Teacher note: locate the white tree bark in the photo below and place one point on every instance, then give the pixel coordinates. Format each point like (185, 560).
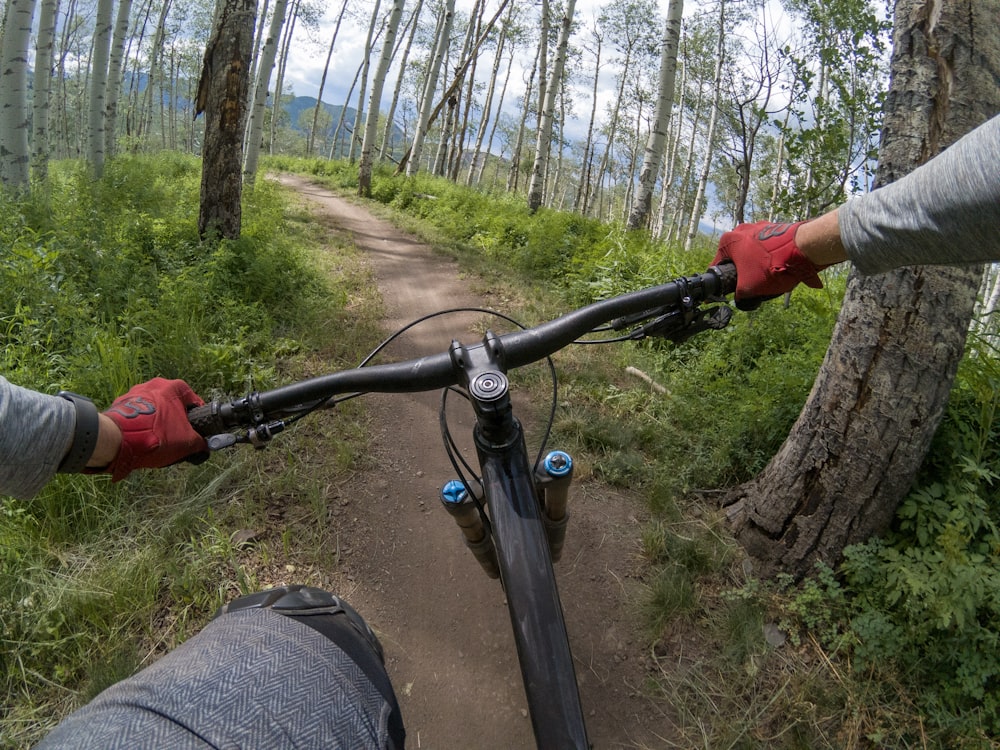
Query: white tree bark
(359, 109)
(375, 99)
(430, 86)
(639, 215)
(387, 145)
(543, 141)
(587, 161)
(97, 121)
(44, 46)
(255, 129)
(710, 136)
(14, 155)
(114, 86)
(499, 109)
(279, 85)
(487, 115)
(311, 142)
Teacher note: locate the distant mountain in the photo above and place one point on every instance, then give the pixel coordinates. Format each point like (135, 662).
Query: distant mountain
(299, 104)
(296, 106)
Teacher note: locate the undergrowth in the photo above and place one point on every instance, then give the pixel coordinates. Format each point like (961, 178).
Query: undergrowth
(116, 287)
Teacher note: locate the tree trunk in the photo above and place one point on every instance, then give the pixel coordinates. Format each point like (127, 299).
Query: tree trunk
(469, 61)
(155, 77)
(710, 136)
(487, 115)
(513, 177)
(677, 218)
(597, 195)
(587, 161)
(343, 113)
(388, 146)
(114, 87)
(222, 96)
(496, 119)
(670, 161)
(375, 100)
(97, 121)
(62, 108)
(258, 39)
(255, 130)
(457, 81)
(430, 86)
(14, 155)
(536, 185)
(310, 143)
(40, 147)
(279, 83)
(881, 392)
(639, 215)
(359, 109)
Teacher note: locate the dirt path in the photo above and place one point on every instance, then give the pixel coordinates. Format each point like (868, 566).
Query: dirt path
(443, 623)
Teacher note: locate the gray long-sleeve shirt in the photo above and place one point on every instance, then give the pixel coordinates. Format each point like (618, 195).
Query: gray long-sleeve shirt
(945, 212)
(36, 432)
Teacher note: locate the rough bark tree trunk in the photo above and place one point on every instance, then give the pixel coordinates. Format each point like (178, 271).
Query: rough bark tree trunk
(881, 392)
(222, 96)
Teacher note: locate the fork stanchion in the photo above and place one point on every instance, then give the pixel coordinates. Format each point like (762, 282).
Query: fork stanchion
(553, 479)
(456, 500)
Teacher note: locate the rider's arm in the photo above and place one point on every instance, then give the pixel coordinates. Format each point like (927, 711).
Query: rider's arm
(944, 212)
(145, 428)
(36, 432)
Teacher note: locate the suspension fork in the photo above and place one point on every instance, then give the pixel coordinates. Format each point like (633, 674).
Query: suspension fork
(523, 551)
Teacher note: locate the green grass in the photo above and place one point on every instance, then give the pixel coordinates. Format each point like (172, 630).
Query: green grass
(97, 579)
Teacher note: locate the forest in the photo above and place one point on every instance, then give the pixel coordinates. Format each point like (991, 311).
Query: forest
(615, 139)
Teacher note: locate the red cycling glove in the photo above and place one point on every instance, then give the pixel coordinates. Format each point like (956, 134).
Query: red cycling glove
(155, 429)
(768, 262)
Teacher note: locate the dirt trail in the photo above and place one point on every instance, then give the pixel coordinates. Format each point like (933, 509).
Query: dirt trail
(443, 623)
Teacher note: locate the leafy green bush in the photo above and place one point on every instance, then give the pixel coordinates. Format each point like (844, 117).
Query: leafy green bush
(927, 596)
(120, 288)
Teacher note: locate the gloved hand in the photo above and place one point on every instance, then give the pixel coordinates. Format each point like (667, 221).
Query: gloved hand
(768, 262)
(155, 430)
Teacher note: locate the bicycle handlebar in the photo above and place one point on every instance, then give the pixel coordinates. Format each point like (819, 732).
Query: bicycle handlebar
(439, 370)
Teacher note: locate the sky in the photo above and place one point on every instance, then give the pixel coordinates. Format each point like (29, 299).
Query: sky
(307, 59)
(305, 67)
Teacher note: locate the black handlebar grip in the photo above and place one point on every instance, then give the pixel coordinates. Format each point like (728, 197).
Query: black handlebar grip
(207, 419)
(727, 277)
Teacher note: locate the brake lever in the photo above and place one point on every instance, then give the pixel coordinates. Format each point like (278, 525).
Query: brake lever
(680, 325)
